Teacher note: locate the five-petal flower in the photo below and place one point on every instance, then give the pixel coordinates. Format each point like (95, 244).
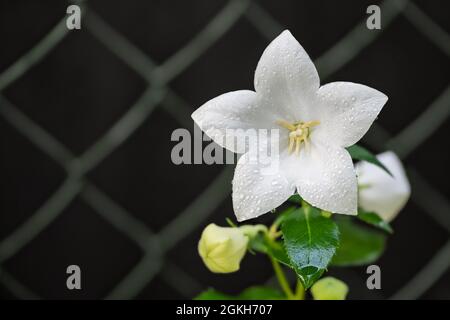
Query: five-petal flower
(316, 123)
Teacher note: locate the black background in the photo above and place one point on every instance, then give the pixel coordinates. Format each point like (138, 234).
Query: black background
(80, 89)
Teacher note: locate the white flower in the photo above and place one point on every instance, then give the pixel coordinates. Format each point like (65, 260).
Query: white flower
(316, 123)
(379, 192)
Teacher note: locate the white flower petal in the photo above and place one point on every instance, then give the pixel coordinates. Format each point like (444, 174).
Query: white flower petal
(381, 193)
(324, 176)
(258, 189)
(233, 110)
(287, 77)
(347, 111)
(287, 88)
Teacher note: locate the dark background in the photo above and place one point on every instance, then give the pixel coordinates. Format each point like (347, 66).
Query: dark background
(86, 118)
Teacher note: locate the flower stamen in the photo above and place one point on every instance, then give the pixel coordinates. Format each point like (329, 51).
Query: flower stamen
(299, 133)
(286, 125)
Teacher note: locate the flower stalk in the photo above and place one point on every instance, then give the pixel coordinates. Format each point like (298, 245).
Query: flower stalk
(281, 277)
(299, 291)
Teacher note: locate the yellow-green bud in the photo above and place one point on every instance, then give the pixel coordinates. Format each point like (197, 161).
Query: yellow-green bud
(329, 288)
(222, 248)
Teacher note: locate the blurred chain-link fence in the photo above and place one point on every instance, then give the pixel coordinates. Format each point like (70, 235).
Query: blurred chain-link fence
(158, 94)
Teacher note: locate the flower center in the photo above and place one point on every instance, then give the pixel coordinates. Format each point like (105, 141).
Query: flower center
(298, 133)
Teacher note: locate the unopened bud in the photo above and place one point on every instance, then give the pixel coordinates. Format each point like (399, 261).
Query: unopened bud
(222, 248)
(329, 288)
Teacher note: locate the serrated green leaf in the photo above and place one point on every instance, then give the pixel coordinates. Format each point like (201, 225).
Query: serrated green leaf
(252, 293)
(283, 215)
(310, 241)
(359, 245)
(375, 220)
(359, 153)
(277, 251)
(261, 243)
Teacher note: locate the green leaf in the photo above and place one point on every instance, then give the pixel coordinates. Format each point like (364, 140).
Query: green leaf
(359, 245)
(261, 243)
(375, 220)
(295, 199)
(212, 294)
(279, 220)
(277, 251)
(359, 153)
(261, 293)
(252, 293)
(310, 241)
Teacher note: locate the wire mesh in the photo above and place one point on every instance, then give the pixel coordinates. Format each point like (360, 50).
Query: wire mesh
(158, 94)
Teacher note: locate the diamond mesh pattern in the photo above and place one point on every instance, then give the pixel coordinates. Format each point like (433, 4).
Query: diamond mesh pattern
(159, 94)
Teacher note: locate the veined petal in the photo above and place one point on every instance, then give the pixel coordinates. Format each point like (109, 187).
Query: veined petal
(237, 110)
(379, 192)
(287, 77)
(347, 111)
(324, 176)
(258, 188)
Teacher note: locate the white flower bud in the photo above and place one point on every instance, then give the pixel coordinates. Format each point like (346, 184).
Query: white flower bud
(379, 192)
(222, 248)
(329, 288)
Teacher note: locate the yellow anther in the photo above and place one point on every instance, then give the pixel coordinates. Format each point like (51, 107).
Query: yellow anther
(311, 123)
(286, 125)
(299, 132)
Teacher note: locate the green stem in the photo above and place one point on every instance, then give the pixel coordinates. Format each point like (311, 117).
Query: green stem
(282, 279)
(299, 291)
